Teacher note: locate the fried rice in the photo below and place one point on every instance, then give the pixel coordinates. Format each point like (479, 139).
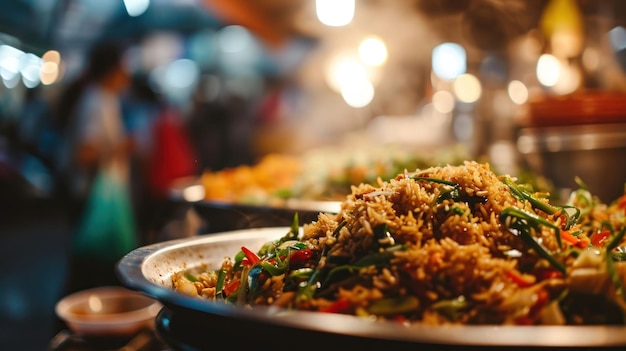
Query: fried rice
(442, 245)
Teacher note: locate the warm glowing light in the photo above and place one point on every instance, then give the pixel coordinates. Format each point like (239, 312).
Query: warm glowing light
(343, 69)
(194, 193)
(548, 70)
(518, 92)
(373, 51)
(570, 80)
(358, 93)
(443, 101)
(449, 61)
(334, 13)
(467, 88)
(49, 73)
(52, 56)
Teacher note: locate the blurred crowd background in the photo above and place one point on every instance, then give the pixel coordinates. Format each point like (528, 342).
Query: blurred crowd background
(175, 88)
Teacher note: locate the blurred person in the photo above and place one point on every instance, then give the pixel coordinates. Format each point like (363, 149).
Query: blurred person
(208, 124)
(173, 161)
(95, 163)
(89, 113)
(141, 108)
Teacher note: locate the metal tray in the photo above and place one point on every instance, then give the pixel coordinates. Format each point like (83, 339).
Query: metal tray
(200, 322)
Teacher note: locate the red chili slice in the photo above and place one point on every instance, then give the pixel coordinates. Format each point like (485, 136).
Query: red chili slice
(600, 239)
(251, 256)
(341, 305)
(300, 256)
(518, 279)
(231, 287)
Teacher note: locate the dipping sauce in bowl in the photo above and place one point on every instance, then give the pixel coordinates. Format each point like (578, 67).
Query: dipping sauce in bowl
(107, 311)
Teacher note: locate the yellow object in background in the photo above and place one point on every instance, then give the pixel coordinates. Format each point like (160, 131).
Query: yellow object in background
(562, 24)
(263, 183)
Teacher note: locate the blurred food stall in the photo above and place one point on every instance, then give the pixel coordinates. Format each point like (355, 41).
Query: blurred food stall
(363, 86)
(324, 173)
(251, 79)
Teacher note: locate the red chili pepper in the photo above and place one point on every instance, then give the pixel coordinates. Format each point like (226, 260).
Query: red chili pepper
(563, 221)
(546, 273)
(574, 241)
(621, 203)
(251, 256)
(339, 306)
(599, 239)
(231, 287)
(300, 256)
(518, 279)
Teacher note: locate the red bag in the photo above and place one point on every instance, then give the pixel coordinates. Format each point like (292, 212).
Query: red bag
(173, 156)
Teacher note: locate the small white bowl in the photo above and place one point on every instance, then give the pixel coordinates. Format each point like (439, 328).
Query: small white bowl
(107, 311)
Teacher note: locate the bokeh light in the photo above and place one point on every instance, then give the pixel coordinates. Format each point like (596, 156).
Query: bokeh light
(449, 60)
(343, 69)
(548, 70)
(443, 101)
(467, 88)
(570, 79)
(9, 62)
(358, 93)
(136, 8)
(518, 92)
(30, 68)
(373, 51)
(335, 13)
(49, 73)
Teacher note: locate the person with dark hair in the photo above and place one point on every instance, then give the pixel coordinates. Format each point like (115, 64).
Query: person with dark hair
(97, 168)
(89, 113)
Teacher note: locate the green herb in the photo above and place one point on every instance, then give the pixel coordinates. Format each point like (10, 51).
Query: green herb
(307, 289)
(394, 306)
(610, 264)
(523, 222)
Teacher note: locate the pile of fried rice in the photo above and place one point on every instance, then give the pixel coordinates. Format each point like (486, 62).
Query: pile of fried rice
(442, 245)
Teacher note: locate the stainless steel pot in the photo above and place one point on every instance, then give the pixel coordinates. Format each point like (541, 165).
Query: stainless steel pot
(596, 153)
(583, 135)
